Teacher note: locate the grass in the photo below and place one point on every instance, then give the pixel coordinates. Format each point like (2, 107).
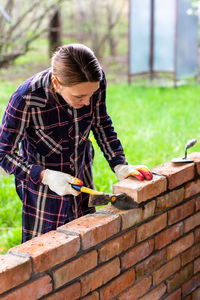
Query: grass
(153, 124)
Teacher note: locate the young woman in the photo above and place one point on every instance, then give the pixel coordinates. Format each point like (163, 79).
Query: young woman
(50, 117)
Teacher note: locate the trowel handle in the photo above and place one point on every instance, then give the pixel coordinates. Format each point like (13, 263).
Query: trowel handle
(189, 144)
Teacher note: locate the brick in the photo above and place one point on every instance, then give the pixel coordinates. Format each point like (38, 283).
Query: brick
(155, 294)
(150, 264)
(73, 292)
(118, 285)
(192, 188)
(167, 236)
(116, 246)
(197, 265)
(49, 249)
(137, 290)
(148, 229)
(166, 271)
(75, 268)
(196, 294)
(176, 174)
(197, 234)
(141, 191)
(13, 271)
(174, 296)
(190, 254)
(149, 209)
(179, 278)
(169, 200)
(136, 254)
(192, 222)
(198, 203)
(191, 285)
(91, 296)
(33, 290)
(129, 217)
(100, 276)
(94, 228)
(196, 157)
(180, 246)
(181, 212)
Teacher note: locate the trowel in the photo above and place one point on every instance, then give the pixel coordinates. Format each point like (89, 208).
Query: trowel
(185, 159)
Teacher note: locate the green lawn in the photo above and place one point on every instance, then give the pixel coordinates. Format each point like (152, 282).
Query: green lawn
(152, 123)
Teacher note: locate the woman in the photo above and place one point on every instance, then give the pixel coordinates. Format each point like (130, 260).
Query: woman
(50, 116)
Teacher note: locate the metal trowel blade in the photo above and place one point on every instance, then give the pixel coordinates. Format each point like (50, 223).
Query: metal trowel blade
(181, 160)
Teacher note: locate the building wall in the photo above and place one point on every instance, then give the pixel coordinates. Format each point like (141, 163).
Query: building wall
(146, 253)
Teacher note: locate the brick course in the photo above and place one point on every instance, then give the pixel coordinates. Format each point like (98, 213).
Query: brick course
(148, 253)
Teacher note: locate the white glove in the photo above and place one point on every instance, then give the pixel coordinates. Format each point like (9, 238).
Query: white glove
(139, 171)
(60, 182)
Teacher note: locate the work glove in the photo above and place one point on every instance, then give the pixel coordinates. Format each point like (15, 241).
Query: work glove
(139, 171)
(60, 182)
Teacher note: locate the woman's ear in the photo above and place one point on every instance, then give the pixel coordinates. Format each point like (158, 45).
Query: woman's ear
(55, 82)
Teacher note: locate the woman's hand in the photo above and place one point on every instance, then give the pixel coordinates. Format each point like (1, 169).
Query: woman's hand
(60, 182)
(139, 171)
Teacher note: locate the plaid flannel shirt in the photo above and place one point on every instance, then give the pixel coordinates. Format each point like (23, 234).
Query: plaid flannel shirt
(55, 136)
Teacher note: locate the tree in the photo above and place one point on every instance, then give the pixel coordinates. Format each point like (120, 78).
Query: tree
(29, 20)
(97, 20)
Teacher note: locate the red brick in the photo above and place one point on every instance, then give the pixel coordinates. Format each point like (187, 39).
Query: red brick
(197, 265)
(169, 200)
(192, 222)
(180, 277)
(49, 249)
(196, 294)
(94, 228)
(155, 294)
(136, 254)
(197, 234)
(117, 285)
(150, 264)
(91, 296)
(117, 245)
(177, 174)
(129, 217)
(191, 285)
(190, 254)
(33, 290)
(13, 271)
(141, 191)
(174, 296)
(137, 290)
(196, 157)
(100, 276)
(198, 203)
(166, 271)
(180, 245)
(149, 209)
(75, 268)
(166, 237)
(73, 292)
(152, 227)
(180, 212)
(192, 188)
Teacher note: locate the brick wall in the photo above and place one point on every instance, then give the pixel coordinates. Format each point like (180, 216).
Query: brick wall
(147, 254)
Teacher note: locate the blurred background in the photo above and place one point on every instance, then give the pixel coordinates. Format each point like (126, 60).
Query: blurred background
(149, 51)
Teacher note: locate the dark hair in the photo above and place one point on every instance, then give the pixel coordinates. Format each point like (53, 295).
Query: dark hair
(75, 63)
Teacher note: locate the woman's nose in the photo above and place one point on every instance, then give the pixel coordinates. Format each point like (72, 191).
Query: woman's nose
(86, 101)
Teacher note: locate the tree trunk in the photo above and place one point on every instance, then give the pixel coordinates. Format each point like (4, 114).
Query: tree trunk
(55, 32)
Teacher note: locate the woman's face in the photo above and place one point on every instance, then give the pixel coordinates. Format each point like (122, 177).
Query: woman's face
(78, 95)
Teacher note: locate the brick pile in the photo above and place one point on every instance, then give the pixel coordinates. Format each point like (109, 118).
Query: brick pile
(147, 254)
